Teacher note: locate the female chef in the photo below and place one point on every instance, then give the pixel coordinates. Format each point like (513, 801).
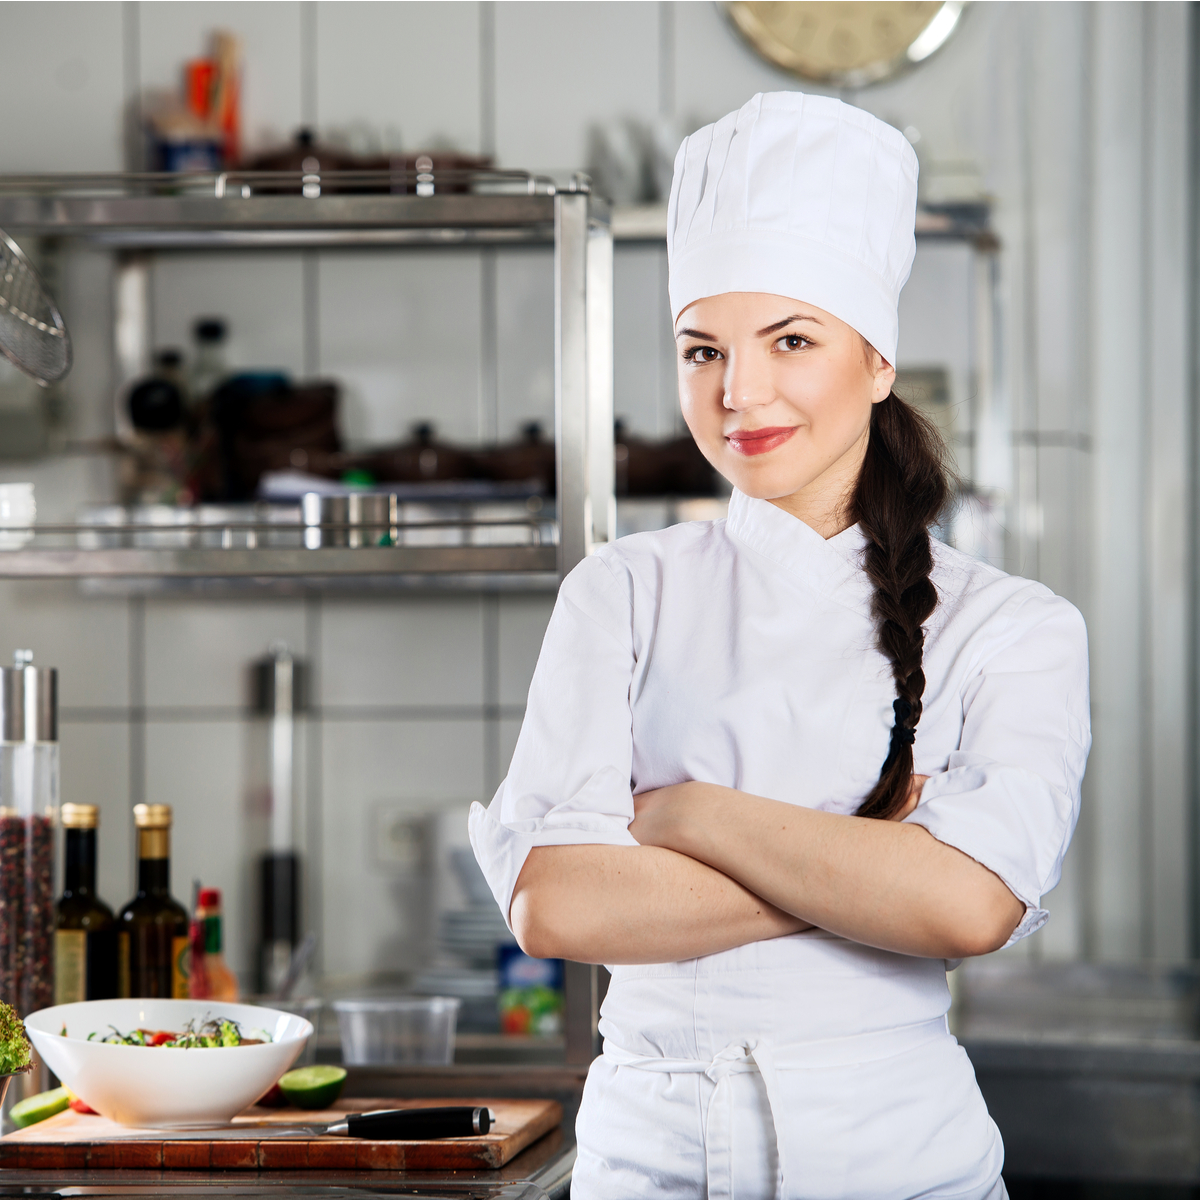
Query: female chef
(697, 797)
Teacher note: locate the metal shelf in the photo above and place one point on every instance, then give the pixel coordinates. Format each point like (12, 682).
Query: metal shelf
(138, 216)
(156, 212)
(269, 562)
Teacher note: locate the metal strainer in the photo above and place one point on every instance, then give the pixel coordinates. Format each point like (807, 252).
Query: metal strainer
(32, 333)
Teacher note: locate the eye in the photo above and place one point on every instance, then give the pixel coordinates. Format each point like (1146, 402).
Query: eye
(701, 354)
(792, 341)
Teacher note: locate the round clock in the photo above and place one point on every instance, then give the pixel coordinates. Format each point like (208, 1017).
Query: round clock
(848, 43)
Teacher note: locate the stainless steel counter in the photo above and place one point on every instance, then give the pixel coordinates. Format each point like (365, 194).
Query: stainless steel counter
(1092, 1072)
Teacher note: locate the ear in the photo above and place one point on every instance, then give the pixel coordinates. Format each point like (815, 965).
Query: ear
(885, 377)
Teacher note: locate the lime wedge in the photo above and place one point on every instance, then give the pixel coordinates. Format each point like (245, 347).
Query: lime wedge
(312, 1087)
(37, 1108)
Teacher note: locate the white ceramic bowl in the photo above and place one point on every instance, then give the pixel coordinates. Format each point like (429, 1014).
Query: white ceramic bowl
(157, 1087)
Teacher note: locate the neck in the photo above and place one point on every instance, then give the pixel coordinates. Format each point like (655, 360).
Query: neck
(154, 876)
(825, 505)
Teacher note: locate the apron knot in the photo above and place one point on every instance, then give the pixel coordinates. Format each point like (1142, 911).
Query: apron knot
(735, 1059)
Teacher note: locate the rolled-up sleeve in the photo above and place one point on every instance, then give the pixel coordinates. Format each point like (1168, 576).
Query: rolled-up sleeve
(569, 781)
(1009, 796)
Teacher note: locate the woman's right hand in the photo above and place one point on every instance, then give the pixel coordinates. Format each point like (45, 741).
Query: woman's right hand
(914, 797)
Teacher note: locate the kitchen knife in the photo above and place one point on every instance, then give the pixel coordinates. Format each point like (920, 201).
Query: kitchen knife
(386, 1125)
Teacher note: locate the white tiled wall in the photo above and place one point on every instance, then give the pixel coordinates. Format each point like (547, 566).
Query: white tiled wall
(560, 68)
(402, 332)
(63, 87)
(418, 652)
(260, 296)
(94, 766)
(419, 698)
(376, 911)
(407, 74)
(87, 642)
(197, 651)
(522, 625)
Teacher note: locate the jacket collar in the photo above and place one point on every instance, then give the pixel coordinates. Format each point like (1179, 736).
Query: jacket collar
(831, 566)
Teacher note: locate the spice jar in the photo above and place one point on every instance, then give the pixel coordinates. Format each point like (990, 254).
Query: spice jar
(28, 814)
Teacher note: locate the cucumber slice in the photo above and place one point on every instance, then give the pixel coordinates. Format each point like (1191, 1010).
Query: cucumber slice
(313, 1087)
(37, 1108)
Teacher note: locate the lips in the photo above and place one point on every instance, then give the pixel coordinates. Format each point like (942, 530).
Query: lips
(759, 441)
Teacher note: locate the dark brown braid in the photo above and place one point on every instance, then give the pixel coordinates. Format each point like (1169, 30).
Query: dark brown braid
(902, 490)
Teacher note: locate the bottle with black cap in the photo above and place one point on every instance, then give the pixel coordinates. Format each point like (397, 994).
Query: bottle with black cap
(28, 813)
(85, 934)
(209, 367)
(152, 929)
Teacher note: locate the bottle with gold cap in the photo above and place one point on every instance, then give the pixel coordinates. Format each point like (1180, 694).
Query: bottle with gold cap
(85, 932)
(152, 929)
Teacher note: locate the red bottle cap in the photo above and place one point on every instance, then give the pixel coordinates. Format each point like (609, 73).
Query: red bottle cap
(210, 898)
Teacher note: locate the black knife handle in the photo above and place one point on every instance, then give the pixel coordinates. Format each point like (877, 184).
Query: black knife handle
(419, 1124)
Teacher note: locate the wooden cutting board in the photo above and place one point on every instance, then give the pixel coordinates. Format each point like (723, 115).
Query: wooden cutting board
(73, 1141)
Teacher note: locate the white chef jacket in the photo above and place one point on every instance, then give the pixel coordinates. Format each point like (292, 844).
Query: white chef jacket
(742, 652)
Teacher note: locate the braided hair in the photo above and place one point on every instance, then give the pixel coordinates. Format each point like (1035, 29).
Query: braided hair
(901, 491)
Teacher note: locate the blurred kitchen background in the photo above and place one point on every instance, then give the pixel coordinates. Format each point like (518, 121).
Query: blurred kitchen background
(1047, 325)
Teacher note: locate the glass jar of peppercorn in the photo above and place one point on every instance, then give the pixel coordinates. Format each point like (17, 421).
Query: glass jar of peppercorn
(28, 815)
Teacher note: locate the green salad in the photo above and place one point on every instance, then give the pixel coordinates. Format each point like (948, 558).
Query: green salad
(205, 1035)
(15, 1051)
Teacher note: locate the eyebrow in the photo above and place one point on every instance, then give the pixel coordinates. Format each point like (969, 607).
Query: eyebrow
(767, 329)
(764, 332)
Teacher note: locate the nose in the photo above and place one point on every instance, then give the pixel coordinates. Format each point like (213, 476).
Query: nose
(748, 382)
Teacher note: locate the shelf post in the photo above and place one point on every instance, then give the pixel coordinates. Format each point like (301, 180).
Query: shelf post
(583, 430)
(601, 474)
(131, 332)
(571, 377)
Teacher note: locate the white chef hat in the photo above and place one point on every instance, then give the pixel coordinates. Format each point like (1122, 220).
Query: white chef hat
(801, 196)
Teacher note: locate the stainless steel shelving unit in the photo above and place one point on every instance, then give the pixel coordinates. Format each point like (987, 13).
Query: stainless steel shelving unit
(139, 216)
(136, 217)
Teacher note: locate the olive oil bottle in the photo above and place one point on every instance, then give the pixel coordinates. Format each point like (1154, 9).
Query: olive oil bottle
(85, 932)
(152, 929)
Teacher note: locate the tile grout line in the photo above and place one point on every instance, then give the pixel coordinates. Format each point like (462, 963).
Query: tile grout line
(487, 77)
(313, 890)
(202, 714)
(491, 695)
(137, 697)
(308, 64)
(666, 58)
(131, 50)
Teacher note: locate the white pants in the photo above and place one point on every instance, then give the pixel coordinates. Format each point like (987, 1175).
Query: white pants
(884, 1116)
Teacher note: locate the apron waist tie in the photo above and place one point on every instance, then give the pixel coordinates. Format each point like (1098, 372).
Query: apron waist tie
(741, 1058)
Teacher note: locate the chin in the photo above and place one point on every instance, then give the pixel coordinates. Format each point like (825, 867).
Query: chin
(767, 482)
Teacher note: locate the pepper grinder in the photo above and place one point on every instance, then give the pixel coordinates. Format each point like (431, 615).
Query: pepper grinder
(28, 815)
(280, 695)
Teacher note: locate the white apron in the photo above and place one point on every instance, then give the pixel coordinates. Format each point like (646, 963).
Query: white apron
(789, 1104)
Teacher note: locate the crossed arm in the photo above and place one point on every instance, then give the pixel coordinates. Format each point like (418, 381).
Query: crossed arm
(717, 868)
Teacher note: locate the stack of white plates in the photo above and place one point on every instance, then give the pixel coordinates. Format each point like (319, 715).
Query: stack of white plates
(472, 934)
(475, 987)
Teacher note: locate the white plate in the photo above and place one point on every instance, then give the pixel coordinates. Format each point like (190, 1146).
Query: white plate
(158, 1087)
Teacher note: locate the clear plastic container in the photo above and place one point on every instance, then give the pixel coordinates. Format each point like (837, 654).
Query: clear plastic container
(397, 1029)
(308, 1007)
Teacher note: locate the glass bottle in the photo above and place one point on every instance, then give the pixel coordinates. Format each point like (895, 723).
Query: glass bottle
(209, 368)
(214, 980)
(152, 929)
(85, 933)
(28, 811)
